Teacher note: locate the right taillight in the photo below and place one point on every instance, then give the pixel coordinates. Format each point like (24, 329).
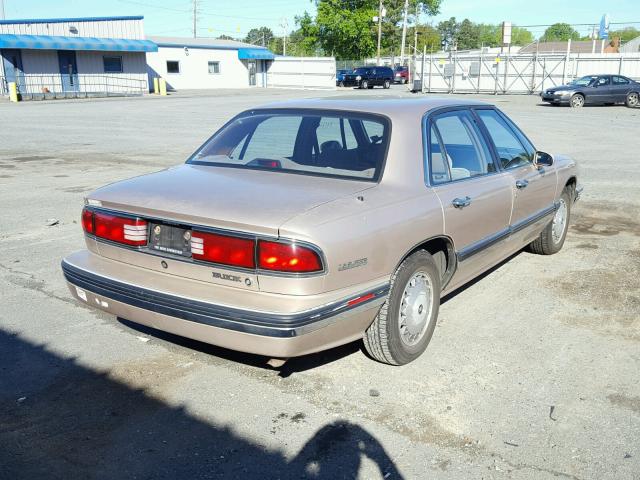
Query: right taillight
(287, 257)
(87, 221)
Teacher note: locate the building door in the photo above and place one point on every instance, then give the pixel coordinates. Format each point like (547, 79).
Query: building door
(12, 62)
(251, 64)
(68, 70)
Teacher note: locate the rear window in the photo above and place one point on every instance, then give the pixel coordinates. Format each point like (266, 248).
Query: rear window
(334, 144)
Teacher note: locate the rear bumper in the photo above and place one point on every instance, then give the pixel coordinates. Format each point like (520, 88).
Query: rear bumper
(264, 333)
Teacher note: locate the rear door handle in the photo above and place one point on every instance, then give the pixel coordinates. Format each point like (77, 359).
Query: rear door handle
(520, 184)
(461, 202)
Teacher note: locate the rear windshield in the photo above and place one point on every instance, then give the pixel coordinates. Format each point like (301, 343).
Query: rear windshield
(334, 144)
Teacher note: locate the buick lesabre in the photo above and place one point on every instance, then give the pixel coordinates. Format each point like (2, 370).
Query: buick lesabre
(303, 225)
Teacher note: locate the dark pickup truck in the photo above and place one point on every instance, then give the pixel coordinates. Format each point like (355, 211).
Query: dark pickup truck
(369, 77)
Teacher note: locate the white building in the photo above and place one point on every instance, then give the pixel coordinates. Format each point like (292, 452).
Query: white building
(206, 63)
(73, 57)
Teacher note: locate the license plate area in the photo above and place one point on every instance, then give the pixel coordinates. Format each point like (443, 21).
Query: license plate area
(169, 239)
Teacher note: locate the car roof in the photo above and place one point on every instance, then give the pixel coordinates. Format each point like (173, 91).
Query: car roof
(390, 106)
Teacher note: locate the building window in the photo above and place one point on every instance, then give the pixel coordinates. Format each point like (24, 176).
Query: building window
(173, 66)
(214, 67)
(112, 64)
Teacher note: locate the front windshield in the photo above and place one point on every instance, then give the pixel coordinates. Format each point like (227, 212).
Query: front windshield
(347, 145)
(584, 81)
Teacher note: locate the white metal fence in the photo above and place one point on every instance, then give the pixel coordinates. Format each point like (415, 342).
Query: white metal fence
(36, 86)
(302, 72)
(526, 73)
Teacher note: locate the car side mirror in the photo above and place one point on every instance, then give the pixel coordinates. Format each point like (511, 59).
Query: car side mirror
(543, 159)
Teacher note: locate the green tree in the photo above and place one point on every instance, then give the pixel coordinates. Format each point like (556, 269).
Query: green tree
(225, 37)
(346, 30)
(427, 37)
(259, 36)
(468, 36)
(626, 34)
(520, 36)
(560, 32)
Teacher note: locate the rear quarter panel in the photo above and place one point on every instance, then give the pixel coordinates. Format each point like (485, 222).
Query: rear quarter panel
(364, 240)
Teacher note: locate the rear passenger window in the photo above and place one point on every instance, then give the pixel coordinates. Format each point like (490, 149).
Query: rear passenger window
(510, 150)
(620, 81)
(439, 167)
(465, 153)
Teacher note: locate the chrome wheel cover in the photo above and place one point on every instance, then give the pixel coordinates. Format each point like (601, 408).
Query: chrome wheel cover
(632, 100)
(416, 306)
(577, 101)
(559, 223)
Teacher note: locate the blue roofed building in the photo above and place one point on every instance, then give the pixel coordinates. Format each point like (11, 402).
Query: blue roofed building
(74, 57)
(209, 63)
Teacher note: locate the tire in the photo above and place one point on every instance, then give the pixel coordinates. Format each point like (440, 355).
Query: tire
(577, 100)
(403, 81)
(549, 242)
(341, 84)
(395, 338)
(632, 100)
(386, 85)
(364, 84)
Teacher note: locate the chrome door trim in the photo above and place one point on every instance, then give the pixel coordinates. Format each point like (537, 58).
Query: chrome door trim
(470, 250)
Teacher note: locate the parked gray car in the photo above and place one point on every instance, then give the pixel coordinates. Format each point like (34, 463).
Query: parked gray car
(594, 90)
(307, 224)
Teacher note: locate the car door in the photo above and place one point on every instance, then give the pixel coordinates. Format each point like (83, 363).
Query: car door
(620, 86)
(534, 188)
(601, 91)
(476, 197)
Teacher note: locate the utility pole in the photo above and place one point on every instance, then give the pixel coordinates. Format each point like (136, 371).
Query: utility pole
(195, 18)
(404, 31)
(1, 9)
(379, 30)
(284, 26)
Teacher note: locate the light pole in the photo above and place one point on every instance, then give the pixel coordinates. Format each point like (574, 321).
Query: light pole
(380, 15)
(1, 9)
(404, 31)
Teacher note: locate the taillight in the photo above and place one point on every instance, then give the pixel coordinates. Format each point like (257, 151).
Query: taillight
(127, 230)
(87, 220)
(211, 247)
(287, 257)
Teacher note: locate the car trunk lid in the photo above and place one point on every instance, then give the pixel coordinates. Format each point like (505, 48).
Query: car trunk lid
(253, 201)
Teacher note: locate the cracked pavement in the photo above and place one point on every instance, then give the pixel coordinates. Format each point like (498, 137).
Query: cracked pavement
(532, 372)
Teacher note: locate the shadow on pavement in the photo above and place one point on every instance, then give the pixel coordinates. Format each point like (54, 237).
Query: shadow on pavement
(293, 365)
(59, 419)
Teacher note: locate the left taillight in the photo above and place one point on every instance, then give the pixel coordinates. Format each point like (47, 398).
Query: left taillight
(125, 230)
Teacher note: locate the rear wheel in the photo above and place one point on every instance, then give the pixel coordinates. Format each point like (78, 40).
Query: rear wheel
(632, 100)
(387, 84)
(552, 237)
(577, 101)
(404, 325)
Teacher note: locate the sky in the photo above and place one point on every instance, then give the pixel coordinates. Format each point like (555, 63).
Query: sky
(236, 18)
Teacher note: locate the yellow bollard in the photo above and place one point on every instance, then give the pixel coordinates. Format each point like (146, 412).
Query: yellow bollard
(163, 86)
(156, 88)
(13, 92)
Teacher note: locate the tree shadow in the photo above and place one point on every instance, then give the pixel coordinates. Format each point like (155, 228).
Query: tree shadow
(59, 419)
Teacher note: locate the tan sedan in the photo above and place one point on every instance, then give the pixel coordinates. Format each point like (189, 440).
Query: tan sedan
(303, 225)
